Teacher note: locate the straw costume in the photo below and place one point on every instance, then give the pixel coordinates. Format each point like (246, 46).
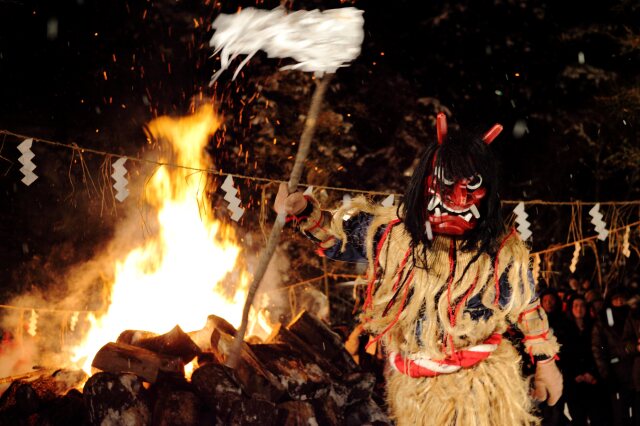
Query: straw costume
(445, 280)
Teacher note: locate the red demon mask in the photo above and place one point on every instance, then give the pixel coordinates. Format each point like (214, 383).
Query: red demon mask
(454, 204)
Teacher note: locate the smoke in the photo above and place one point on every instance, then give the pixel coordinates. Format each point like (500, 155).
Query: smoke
(44, 335)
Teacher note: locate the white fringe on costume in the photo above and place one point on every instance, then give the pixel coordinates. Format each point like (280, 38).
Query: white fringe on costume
(492, 392)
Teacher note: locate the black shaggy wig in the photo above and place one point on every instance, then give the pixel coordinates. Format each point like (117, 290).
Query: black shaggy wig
(459, 156)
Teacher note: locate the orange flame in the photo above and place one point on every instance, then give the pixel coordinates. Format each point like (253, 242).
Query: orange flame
(175, 276)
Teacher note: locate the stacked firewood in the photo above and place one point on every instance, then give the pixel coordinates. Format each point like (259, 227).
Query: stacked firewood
(300, 375)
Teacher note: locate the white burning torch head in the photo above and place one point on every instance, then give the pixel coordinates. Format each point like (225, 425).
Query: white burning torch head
(319, 41)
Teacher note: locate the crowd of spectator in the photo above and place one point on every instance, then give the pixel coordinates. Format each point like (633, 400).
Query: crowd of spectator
(599, 356)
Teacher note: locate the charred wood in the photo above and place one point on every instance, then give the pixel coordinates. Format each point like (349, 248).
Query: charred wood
(68, 410)
(250, 412)
(218, 387)
(366, 412)
(322, 340)
(124, 358)
(28, 396)
(328, 413)
(176, 343)
(175, 407)
(117, 399)
(280, 334)
(296, 413)
(302, 380)
(256, 380)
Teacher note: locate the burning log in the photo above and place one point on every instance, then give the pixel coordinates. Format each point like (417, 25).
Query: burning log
(175, 343)
(117, 399)
(121, 358)
(131, 337)
(29, 396)
(256, 380)
(202, 337)
(322, 340)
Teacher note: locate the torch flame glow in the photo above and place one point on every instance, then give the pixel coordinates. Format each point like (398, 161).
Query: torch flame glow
(174, 277)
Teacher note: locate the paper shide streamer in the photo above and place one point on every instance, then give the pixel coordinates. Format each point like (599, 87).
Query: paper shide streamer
(625, 242)
(521, 220)
(232, 199)
(576, 256)
(601, 226)
(33, 323)
(25, 159)
(120, 181)
(388, 202)
(319, 41)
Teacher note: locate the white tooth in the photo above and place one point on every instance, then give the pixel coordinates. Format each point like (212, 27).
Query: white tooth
(467, 217)
(428, 231)
(475, 211)
(438, 211)
(432, 203)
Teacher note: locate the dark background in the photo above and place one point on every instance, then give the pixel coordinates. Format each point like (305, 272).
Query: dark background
(94, 72)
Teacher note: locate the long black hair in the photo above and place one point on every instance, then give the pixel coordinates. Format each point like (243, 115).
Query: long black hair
(458, 157)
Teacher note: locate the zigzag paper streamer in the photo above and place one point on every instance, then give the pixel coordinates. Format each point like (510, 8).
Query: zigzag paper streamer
(319, 42)
(601, 226)
(388, 202)
(576, 256)
(73, 321)
(121, 182)
(308, 191)
(230, 197)
(521, 220)
(536, 268)
(25, 159)
(625, 242)
(33, 323)
(346, 205)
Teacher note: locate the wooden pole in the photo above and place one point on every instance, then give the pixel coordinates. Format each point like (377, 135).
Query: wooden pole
(274, 236)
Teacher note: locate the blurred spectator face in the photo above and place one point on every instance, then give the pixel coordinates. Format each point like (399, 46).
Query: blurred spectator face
(618, 300)
(573, 283)
(596, 307)
(549, 303)
(579, 308)
(586, 285)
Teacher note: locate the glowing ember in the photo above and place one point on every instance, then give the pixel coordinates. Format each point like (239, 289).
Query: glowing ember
(188, 369)
(175, 276)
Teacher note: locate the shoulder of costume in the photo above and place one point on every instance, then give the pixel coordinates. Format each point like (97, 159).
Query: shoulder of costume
(511, 250)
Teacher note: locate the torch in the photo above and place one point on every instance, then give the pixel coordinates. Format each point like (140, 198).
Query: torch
(319, 42)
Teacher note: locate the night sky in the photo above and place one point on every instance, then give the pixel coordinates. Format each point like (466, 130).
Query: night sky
(561, 76)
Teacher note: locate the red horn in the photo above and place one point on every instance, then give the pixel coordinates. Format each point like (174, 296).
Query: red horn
(441, 127)
(492, 133)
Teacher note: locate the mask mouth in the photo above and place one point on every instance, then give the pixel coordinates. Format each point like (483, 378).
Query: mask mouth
(439, 209)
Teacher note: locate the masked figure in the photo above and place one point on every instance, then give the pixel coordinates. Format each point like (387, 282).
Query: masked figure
(445, 280)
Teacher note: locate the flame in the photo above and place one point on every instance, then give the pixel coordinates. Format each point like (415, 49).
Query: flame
(175, 276)
(188, 369)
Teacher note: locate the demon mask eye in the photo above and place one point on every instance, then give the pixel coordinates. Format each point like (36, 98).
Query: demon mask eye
(474, 182)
